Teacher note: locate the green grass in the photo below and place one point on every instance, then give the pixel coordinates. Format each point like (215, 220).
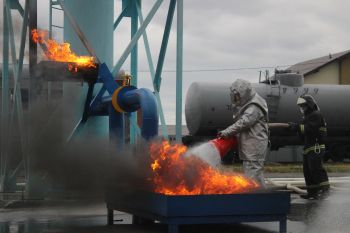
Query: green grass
(291, 167)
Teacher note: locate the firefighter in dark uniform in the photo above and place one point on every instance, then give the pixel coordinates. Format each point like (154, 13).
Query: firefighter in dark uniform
(313, 131)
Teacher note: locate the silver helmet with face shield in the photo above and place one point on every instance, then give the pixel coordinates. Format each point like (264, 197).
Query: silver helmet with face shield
(241, 92)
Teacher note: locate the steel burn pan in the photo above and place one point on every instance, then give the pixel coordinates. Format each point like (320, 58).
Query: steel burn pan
(59, 71)
(201, 209)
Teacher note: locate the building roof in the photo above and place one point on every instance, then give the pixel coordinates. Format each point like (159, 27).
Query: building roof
(310, 66)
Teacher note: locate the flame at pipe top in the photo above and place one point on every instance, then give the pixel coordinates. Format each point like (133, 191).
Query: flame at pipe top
(61, 52)
(176, 174)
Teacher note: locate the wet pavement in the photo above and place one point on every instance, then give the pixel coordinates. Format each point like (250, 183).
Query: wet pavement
(92, 219)
(329, 215)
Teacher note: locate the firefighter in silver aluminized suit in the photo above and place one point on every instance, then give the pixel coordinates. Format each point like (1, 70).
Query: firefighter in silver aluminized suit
(251, 127)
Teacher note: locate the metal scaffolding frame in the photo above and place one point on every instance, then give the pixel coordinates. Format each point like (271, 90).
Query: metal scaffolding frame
(53, 5)
(130, 8)
(12, 109)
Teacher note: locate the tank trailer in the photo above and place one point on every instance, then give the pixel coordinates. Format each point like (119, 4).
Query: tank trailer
(205, 118)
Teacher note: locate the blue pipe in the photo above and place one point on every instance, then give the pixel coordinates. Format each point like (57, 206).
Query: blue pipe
(144, 100)
(130, 99)
(116, 126)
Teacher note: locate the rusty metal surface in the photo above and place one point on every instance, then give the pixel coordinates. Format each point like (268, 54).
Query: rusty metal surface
(58, 71)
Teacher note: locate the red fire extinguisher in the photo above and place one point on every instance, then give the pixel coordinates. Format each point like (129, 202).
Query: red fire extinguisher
(224, 145)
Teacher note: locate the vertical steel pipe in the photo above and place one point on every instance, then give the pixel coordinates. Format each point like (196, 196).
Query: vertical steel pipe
(144, 100)
(134, 67)
(5, 100)
(179, 67)
(116, 126)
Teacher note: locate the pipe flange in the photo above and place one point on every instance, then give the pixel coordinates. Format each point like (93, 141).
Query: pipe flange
(115, 100)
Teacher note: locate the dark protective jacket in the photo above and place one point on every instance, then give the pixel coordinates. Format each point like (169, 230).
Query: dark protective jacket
(313, 129)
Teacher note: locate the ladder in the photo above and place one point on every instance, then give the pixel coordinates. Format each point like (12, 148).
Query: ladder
(273, 99)
(54, 5)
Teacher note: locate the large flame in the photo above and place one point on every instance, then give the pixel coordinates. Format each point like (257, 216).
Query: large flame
(176, 174)
(61, 52)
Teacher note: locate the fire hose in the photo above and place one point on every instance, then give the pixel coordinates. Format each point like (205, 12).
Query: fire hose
(287, 186)
(278, 125)
(294, 184)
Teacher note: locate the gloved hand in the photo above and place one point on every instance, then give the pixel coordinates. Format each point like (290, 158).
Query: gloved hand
(293, 126)
(221, 134)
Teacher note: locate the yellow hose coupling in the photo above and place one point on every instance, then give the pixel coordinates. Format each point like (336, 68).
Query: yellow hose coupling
(115, 100)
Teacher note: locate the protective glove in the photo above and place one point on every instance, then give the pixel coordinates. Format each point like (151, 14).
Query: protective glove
(221, 134)
(293, 126)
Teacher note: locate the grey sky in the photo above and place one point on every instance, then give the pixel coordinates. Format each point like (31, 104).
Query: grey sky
(237, 34)
(258, 33)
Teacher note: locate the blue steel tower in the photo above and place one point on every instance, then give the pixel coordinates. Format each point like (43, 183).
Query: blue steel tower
(89, 26)
(97, 26)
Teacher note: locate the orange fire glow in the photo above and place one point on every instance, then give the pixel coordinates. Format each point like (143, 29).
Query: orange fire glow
(61, 52)
(176, 174)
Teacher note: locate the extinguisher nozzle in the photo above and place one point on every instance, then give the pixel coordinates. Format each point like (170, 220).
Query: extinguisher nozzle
(224, 145)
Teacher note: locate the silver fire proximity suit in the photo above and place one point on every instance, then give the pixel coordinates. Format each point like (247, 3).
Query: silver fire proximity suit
(251, 127)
